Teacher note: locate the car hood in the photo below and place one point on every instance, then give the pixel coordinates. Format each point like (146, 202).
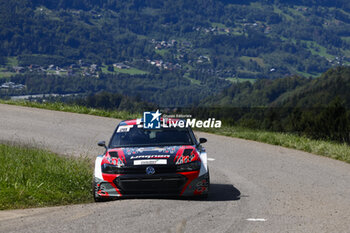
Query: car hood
(155, 155)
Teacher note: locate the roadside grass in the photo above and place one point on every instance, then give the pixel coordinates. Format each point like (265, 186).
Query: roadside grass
(320, 147)
(36, 178)
(58, 106)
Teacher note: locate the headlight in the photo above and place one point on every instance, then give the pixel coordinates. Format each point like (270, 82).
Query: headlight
(111, 169)
(115, 163)
(193, 166)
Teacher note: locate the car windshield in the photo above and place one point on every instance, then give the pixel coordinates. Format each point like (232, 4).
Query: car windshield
(133, 136)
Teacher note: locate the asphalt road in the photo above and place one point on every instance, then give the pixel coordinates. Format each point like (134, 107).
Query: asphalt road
(255, 187)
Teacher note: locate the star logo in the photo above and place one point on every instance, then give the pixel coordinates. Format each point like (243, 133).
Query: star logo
(151, 120)
(156, 115)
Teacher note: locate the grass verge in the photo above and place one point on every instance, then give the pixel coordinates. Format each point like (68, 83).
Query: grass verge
(320, 147)
(36, 178)
(325, 148)
(57, 106)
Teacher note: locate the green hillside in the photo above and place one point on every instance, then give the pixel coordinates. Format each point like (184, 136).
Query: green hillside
(262, 93)
(317, 108)
(319, 92)
(203, 45)
(288, 92)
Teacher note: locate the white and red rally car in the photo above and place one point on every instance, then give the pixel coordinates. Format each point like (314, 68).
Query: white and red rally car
(140, 162)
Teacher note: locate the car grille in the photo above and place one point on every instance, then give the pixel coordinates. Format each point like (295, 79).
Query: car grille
(152, 184)
(142, 169)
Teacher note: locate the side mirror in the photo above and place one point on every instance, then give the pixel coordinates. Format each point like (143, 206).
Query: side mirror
(202, 140)
(102, 143)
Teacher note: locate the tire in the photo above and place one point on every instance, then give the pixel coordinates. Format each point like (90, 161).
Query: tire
(205, 196)
(94, 192)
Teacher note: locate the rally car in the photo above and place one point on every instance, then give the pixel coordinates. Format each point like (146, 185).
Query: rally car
(141, 162)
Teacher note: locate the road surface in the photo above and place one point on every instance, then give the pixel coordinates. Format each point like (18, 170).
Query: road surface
(255, 187)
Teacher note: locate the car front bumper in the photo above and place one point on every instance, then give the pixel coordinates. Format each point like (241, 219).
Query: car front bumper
(172, 184)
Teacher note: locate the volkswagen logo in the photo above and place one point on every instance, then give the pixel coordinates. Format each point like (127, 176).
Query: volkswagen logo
(150, 170)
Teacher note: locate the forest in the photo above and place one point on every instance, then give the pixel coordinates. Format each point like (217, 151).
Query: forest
(164, 89)
(317, 108)
(223, 39)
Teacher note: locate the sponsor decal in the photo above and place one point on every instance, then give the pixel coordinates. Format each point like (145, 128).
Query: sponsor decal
(152, 149)
(151, 162)
(124, 128)
(150, 157)
(136, 151)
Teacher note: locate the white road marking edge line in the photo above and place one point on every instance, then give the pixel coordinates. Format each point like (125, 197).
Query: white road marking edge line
(256, 219)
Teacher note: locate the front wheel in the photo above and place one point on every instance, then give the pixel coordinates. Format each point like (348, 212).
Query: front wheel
(206, 194)
(97, 198)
